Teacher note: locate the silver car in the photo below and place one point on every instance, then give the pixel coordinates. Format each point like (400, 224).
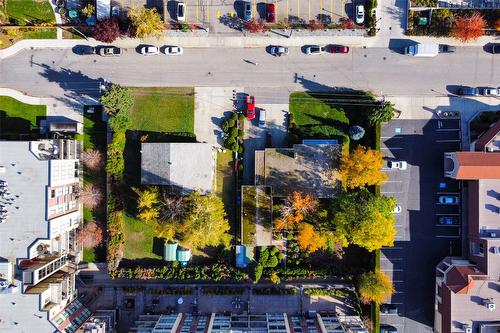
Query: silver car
(278, 50)
(315, 49)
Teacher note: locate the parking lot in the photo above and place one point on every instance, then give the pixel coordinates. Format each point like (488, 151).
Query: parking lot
(423, 237)
(225, 15)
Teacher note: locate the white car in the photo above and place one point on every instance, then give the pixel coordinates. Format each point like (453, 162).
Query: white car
(279, 50)
(150, 50)
(398, 209)
(360, 14)
(401, 165)
(174, 50)
(315, 49)
(490, 92)
(181, 11)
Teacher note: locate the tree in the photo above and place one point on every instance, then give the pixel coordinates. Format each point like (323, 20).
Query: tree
(117, 98)
(468, 28)
(382, 113)
(316, 25)
(147, 203)
(362, 167)
(91, 235)
(356, 132)
(88, 10)
(91, 196)
(121, 122)
(309, 239)
(254, 26)
(172, 208)
(375, 287)
(497, 25)
(92, 159)
(364, 219)
(146, 21)
(275, 278)
(294, 210)
(204, 223)
(4, 18)
(106, 31)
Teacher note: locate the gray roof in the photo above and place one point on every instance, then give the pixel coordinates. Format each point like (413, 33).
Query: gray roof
(184, 166)
(27, 178)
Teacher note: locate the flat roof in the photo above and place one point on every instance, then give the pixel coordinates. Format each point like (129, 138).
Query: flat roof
(186, 166)
(489, 203)
(27, 179)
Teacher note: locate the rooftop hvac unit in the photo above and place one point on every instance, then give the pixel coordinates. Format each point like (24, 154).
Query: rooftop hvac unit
(467, 328)
(490, 305)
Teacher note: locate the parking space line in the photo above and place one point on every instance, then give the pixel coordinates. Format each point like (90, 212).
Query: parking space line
(331, 9)
(447, 141)
(391, 148)
(389, 192)
(298, 8)
(392, 137)
(394, 181)
(343, 10)
(441, 236)
(197, 6)
(287, 13)
(254, 9)
(445, 193)
(321, 7)
(308, 10)
(392, 247)
(391, 270)
(277, 11)
(208, 9)
(451, 214)
(187, 7)
(447, 129)
(391, 259)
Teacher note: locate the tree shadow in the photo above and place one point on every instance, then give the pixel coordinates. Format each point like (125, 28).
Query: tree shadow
(233, 22)
(17, 128)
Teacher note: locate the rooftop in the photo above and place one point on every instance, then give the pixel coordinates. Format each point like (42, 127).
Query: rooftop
(308, 168)
(27, 179)
(185, 166)
(489, 204)
(467, 165)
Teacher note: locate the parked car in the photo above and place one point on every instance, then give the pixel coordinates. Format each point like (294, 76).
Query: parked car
(447, 220)
(262, 118)
(315, 49)
(110, 51)
(401, 165)
(360, 14)
(84, 49)
(150, 50)
(490, 92)
(468, 91)
(444, 48)
(337, 49)
(388, 329)
(388, 308)
(174, 50)
(181, 11)
(270, 12)
(247, 10)
(449, 199)
(493, 48)
(398, 209)
(278, 50)
(250, 107)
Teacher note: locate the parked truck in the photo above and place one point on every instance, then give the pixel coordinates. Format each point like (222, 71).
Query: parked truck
(422, 50)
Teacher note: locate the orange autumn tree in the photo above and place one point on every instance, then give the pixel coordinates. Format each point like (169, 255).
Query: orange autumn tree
(469, 28)
(293, 212)
(362, 167)
(310, 239)
(497, 25)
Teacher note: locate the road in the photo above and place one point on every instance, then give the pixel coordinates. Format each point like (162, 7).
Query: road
(64, 75)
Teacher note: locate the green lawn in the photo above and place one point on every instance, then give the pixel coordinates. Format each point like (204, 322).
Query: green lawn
(225, 184)
(35, 11)
(19, 118)
(39, 34)
(89, 254)
(248, 215)
(163, 110)
(138, 239)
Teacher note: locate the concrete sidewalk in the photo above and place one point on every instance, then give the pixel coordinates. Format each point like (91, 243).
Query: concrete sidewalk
(203, 39)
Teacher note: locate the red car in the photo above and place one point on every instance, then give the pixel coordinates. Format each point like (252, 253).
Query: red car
(338, 49)
(250, 102)
(271, 12)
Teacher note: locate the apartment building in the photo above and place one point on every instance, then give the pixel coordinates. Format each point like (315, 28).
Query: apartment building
(468, 289)
(39, 253)
(249, 323)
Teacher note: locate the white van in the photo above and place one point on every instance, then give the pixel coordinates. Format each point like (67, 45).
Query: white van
(181, 11)
(262, 118)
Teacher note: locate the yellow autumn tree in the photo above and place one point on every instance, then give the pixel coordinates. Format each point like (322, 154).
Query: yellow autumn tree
(375, 287)
(309, 239)
(147, 203)
(146, 21)
(362, 167)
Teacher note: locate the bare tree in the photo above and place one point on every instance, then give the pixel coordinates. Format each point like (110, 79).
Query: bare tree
(91, 235)
(91, 196)
(92, 159)
(172, 207)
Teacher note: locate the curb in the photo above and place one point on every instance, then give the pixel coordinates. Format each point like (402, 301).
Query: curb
(16, 94)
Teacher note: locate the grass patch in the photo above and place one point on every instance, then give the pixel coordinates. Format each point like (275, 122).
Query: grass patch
(22, 12)
(139, 238)
(163, 110)
(89, 254)
(225, 184)
(17, 118)
(248, 215)
(87, 214)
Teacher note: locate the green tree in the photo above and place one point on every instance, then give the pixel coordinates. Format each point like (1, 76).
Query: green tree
(205, 222)
(147, 22)
(375, 287)
(117, 98)
(147, 203)
(364, 219)
(120, 122)
(382, 113)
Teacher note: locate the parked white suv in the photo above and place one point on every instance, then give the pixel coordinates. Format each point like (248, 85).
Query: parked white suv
(401, 165)
(181, 11)
(360, 14)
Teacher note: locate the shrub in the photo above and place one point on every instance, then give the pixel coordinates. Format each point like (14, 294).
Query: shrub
(115, 164)
(241, 134)
(234, 117)
(316, 25)
(234, 146)
(226, 125)
(275, 278)
(241, 149)
(121, 122)
(229, 143)
(356, 132)
(255, 26)
(117, 98)
(257, 272)
(241, 116)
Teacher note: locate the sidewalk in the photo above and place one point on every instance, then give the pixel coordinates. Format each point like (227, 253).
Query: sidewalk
(206, 40)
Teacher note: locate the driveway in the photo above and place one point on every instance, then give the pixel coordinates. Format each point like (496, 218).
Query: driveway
(212, 106)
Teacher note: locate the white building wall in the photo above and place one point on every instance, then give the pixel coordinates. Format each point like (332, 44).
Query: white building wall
(63, 172)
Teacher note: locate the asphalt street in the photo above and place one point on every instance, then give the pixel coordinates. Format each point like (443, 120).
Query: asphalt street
(61, 73)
